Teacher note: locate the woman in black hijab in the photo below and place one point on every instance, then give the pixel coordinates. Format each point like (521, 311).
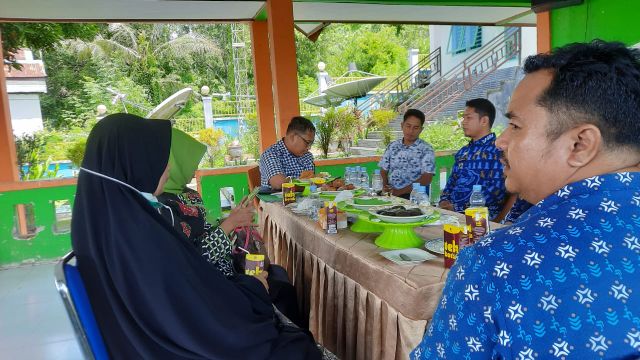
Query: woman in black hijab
(154, 296)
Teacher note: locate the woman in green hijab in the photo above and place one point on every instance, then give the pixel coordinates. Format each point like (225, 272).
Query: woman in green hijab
(188, 212)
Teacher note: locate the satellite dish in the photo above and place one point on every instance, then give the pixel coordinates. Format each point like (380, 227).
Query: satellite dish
(171, 105)
(354, 88)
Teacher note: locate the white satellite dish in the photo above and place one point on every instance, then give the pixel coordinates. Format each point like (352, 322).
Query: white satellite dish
(171, 105)
(354, 88)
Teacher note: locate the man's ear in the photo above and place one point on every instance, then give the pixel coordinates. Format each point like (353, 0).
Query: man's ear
(586, 142)
(485, 122)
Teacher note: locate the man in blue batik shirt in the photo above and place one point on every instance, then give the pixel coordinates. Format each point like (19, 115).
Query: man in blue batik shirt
(290, 156)
(409, 159)
(477, 163)
(562, 281)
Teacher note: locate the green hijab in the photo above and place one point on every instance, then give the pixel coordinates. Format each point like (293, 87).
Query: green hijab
(186, 153)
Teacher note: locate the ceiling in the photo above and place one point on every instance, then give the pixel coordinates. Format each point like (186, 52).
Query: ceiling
(494, 12)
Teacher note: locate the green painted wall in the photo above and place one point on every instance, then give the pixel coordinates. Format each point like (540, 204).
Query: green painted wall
(596, 19)
(48, 245)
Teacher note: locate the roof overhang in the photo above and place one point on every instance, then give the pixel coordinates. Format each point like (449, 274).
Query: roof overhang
(496, 12)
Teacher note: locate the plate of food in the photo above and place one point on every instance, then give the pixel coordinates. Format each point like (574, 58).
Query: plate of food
(401, 214)
(308, 176)
(435, 246)
(335, 186)
(369, 202)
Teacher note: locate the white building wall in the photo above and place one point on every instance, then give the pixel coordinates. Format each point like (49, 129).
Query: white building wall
(26, 117)
(439, 37)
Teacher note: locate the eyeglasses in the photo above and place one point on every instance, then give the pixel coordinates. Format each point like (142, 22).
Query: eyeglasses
(308, 143)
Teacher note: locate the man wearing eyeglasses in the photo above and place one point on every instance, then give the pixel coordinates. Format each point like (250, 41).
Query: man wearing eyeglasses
(290, 156)
(408, 160)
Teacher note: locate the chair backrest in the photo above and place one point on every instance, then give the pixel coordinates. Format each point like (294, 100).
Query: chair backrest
(75, 299)
(253, 176)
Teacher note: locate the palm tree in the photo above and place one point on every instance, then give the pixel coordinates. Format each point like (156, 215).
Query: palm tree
(151, 54)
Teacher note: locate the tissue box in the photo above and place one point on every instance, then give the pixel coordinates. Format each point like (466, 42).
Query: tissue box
(322, 219)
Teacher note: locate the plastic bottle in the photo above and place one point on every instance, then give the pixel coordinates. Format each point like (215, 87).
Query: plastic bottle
(413, 197)
(364, 178)
(348, 178)
(316, 202)
(477, 199)
(423, 197)
(376, 183)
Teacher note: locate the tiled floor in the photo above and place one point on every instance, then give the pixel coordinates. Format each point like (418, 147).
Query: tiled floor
(33, 321)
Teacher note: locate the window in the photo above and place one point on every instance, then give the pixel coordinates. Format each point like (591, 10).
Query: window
(464, 38)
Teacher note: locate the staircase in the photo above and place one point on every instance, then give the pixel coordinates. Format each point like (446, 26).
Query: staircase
(476, 76)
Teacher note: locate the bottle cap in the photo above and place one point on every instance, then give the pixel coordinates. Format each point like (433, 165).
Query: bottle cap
(416, 186)
(377, 172)
(422, 189)
(313, 188)
(477, 187)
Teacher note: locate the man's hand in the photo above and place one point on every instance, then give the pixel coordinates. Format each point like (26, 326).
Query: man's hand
(444, 204)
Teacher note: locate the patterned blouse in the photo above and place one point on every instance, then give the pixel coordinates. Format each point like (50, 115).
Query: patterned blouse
(561, 282)
(406, 164)
(477, 163)
(190, 220)
(277, 159)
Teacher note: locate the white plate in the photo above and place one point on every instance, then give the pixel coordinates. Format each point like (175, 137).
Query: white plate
(435, 246)
(416, 255)
(369, 207)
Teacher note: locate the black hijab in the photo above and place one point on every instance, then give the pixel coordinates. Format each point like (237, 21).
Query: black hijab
(153, 295)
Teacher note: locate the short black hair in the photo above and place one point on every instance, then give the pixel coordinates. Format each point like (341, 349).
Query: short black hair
(300, 124)
(415, 113)
(596, 83)
(483, 107)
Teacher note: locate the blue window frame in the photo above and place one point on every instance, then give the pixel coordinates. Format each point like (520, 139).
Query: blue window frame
(463, 38)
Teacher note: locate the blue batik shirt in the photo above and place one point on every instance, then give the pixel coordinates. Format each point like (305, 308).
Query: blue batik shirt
(405, 164)
(518, 208)
(561, 282)
(478, 163)
(277, 159)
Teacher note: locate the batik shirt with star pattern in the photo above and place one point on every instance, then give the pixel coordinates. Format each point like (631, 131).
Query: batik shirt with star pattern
(477, 163)
(561, 282)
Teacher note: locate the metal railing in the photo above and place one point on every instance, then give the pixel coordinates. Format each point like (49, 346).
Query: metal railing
(402, 85)
(464, 76)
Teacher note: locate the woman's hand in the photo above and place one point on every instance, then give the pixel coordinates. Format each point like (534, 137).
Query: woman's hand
(241, 216)
(263, 279)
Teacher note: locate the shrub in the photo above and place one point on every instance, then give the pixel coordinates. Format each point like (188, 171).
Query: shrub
(76, 152)
(326, 130)
(380, 119)
(250, 139)
(444, 135)
(215, 141)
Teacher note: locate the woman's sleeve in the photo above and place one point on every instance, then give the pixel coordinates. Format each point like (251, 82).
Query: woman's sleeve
(216, 248)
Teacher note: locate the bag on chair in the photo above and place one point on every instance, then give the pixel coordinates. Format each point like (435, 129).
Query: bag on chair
(249, 239)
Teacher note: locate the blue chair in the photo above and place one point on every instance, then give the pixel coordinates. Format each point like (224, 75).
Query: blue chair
(75, 299)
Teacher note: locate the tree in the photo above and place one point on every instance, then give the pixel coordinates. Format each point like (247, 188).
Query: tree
(40, 36)
(149, 53)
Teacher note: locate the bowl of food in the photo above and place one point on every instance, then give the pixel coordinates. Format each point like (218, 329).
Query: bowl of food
(336, 186)
(401, 214)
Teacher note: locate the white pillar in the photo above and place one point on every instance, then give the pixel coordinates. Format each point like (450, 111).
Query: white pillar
(208, 111)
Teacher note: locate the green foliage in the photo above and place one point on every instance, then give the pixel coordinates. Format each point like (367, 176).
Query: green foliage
(250, 139)
(380, 119)
(215, 141)
(326, 130)
(76, 152)
(444, 135)
(40, 36)
(29, 151)
(348, 127)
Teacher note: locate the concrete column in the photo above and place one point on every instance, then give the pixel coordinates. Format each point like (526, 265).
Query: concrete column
(284, 68)
(263, 83)
(8, 159)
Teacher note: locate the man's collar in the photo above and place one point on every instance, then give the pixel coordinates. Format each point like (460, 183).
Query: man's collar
(413, 143)
(483, 140)
(623, 181)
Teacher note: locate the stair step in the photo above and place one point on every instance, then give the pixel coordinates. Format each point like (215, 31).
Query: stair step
(378, 135)
(370, 143)
(357, 150)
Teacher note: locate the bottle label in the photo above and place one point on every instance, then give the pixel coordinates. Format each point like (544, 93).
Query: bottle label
(477, 222)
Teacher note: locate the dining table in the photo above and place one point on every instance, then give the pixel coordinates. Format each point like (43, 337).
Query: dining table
(358, 304)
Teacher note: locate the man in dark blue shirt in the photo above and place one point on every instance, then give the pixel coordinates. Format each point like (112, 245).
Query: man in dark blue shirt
(562, 281)
(477, 163)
